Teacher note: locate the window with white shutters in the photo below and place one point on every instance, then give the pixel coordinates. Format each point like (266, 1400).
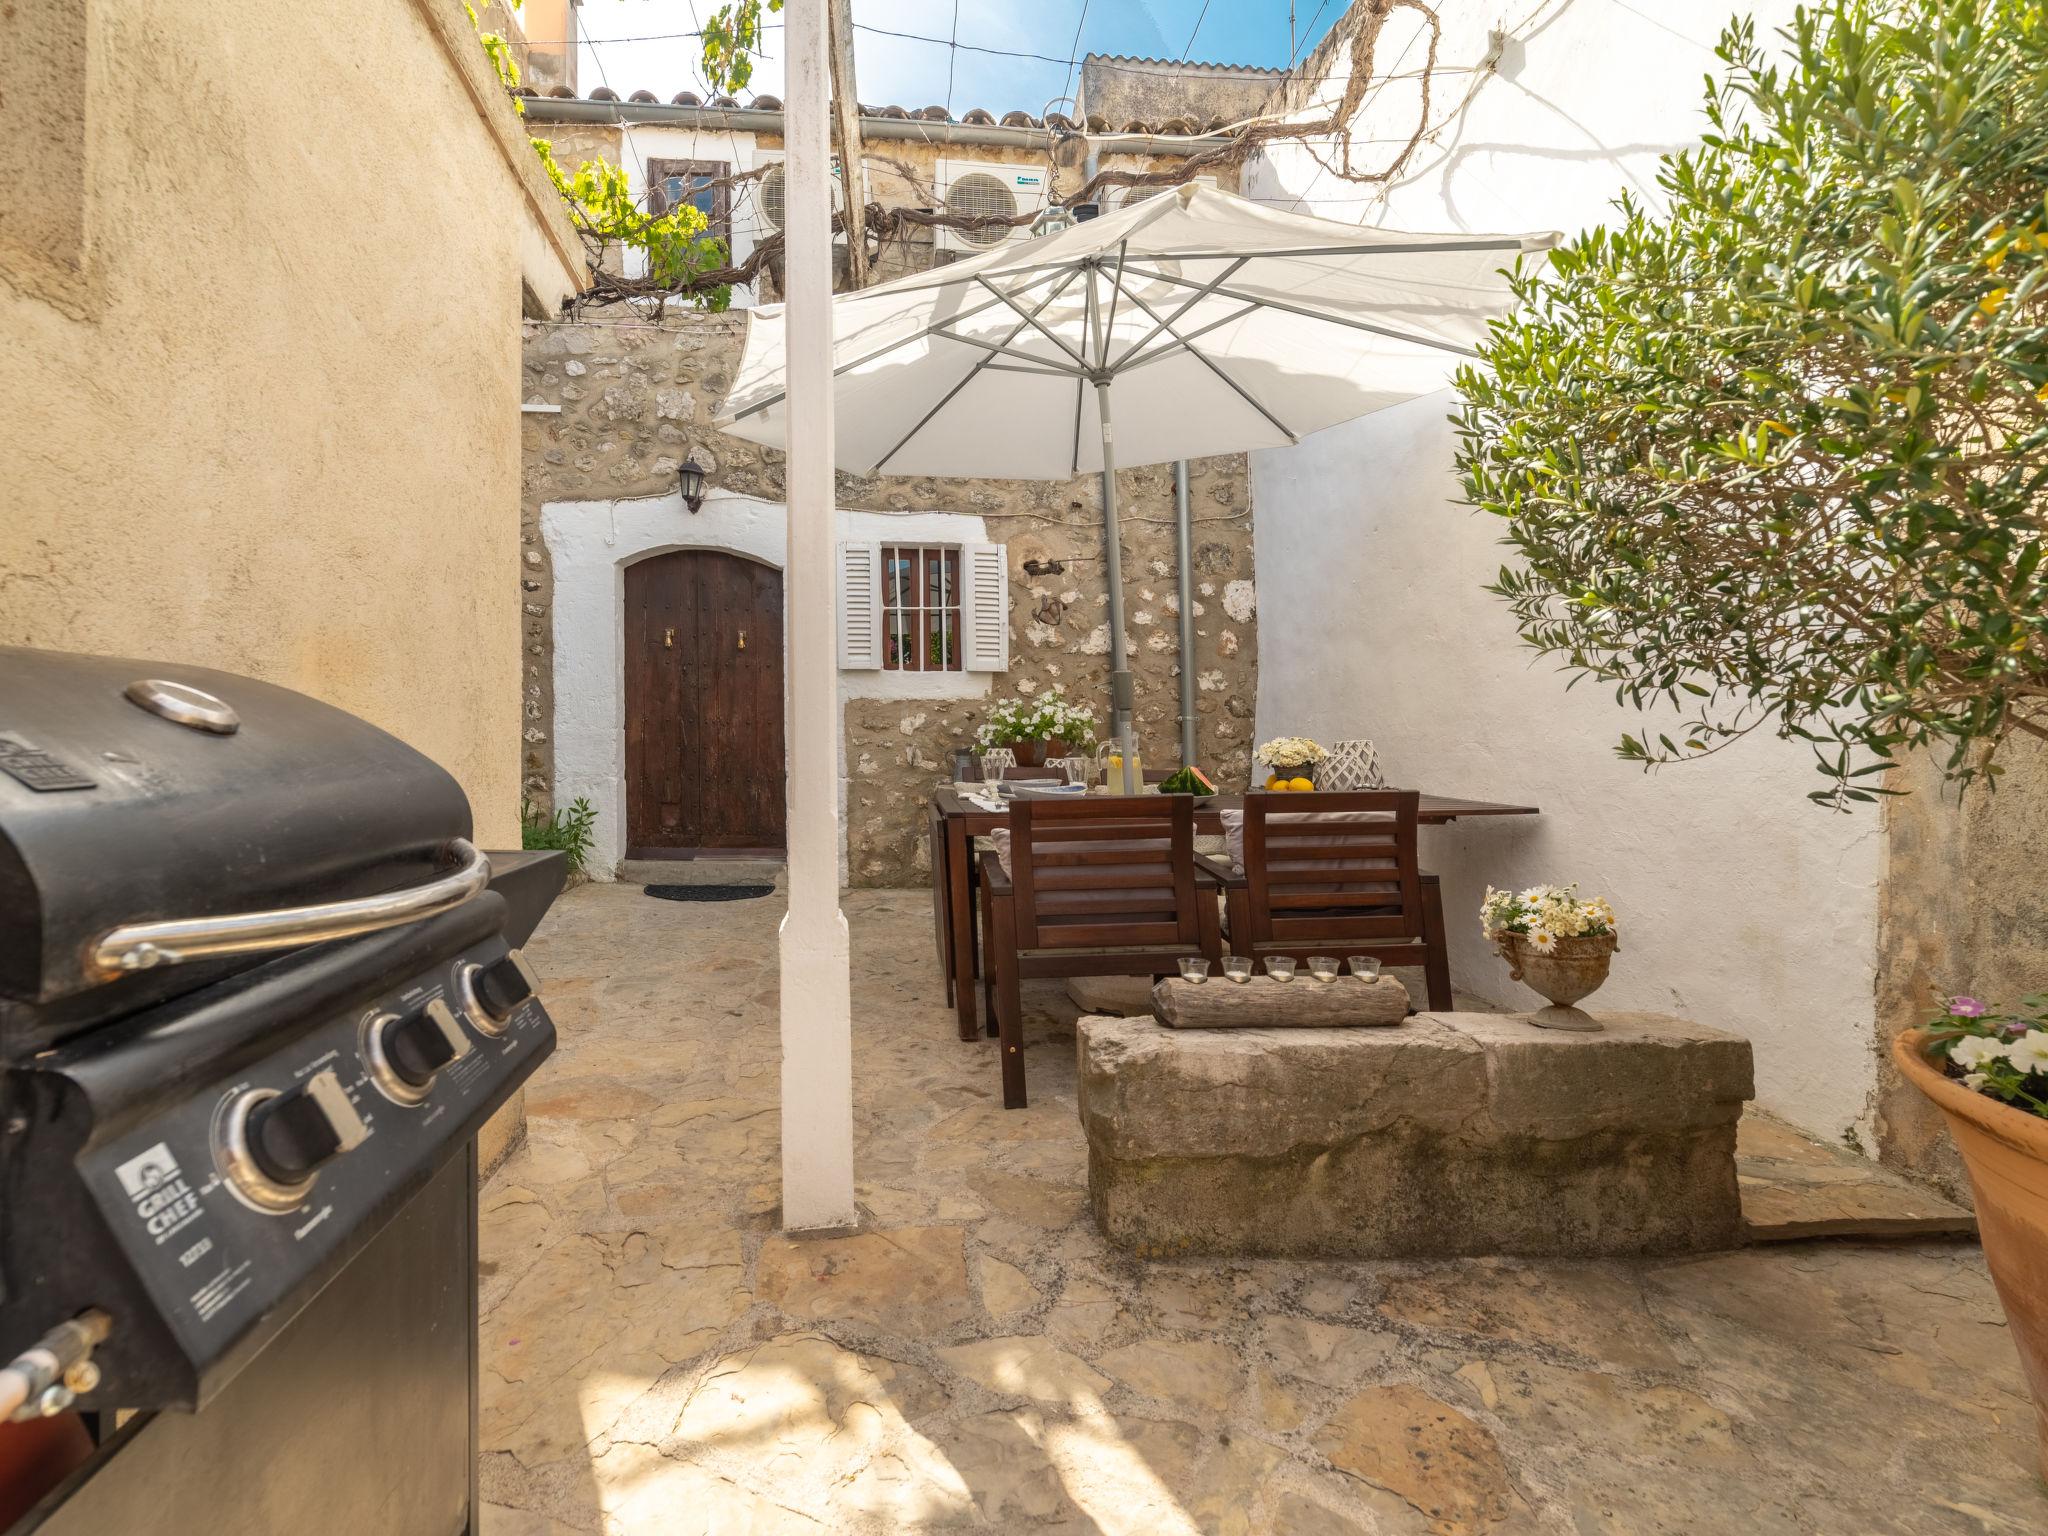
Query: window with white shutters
(923, 607)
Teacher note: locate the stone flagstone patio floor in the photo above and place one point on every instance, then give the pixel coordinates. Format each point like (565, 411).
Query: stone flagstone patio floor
(658, 1358)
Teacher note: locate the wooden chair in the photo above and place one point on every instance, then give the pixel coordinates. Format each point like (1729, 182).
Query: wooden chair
(1095, 887)
(1336, 874)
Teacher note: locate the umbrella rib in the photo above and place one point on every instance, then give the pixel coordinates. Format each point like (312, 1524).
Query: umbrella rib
(859, 362)
(1210, 363)
(1006, 351)
(969, 377)
(1192, 300)
(1116, 291)
(1031, 318)
(1316, 314)
(1429, 248)
(1128, 364)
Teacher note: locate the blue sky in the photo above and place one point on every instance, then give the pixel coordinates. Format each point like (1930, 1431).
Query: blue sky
(914, 73)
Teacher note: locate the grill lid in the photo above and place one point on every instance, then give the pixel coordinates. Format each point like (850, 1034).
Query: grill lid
(137, 792)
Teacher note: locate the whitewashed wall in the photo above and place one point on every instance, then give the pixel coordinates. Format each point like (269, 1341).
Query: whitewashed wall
(1743, 906)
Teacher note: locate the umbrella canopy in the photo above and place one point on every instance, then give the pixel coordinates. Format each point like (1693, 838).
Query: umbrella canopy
(1216, 324)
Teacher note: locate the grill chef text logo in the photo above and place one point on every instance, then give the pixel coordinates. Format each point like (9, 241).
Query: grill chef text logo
(164, 1201)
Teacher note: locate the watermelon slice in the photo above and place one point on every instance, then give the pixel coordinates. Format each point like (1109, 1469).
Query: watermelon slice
(1203, 779)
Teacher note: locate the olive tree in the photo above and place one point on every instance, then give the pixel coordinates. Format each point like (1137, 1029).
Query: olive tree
(1775, 455)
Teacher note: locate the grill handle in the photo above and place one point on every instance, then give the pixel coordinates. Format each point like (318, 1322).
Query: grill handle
(144, 946)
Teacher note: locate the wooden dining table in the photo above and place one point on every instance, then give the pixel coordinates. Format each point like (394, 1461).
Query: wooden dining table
(954, 821)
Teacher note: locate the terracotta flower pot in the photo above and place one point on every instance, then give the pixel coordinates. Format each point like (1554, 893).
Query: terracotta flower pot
(2006, 1151)
(1574, 968)
(1032, 754)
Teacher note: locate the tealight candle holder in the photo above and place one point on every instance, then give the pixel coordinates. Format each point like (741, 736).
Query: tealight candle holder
(1237, 967)
(1194, 968)
(1364, 967)
(1280, 968)
(1323, 967)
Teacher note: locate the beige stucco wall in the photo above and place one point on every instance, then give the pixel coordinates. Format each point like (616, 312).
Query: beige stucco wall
(1963, 908)
(267, 419)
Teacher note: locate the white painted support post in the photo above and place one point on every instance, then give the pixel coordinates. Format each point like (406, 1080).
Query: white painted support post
(817, 1010)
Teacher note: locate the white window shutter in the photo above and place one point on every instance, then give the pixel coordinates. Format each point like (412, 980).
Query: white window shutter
(860, 605)
(985, 607)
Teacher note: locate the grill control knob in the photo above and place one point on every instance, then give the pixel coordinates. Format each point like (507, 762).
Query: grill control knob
(277, 1142)
(496, 989)
(504, 984)
(405, 1052)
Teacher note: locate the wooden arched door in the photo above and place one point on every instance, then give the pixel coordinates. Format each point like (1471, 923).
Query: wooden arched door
(704, 751)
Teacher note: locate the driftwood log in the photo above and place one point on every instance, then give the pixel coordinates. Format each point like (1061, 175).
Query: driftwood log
(1263, 1003)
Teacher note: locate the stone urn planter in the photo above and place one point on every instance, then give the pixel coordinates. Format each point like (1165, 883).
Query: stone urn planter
(2006, 1150)
(1573, 968)
(1033, 753)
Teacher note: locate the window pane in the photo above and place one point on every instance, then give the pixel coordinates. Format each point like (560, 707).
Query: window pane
(945, 651)
(896, 578)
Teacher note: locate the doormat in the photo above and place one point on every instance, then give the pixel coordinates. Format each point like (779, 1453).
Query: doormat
(708, 892)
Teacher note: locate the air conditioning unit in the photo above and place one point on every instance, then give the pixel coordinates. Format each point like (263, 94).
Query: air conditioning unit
(974, 189)
(763, 198)
(1115, 199)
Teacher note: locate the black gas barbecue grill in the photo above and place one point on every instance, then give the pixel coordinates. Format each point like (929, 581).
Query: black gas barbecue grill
(258, 993)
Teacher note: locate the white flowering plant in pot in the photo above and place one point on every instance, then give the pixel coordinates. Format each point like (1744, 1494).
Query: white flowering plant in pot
(2002, 1053)
(1031, 722)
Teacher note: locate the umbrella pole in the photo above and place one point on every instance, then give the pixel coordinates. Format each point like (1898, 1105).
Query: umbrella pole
(1122, 690)
(1184, 530)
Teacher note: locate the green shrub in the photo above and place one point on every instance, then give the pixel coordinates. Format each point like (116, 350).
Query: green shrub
(1778, 456)
(568, 830)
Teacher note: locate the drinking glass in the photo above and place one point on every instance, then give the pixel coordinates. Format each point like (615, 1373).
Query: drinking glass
(1323, 967)
(994, 761)
(1364, 967)
(1194, 968)
(1237, 967)
(1280, 968)
(1079, 770)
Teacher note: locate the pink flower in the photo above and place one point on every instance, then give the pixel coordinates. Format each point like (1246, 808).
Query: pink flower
(1966, 1007)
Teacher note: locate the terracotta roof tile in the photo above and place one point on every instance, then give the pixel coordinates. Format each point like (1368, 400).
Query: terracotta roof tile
(980, 117)
(1205, 66)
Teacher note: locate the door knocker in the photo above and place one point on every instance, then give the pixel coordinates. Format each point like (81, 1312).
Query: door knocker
(668, 639)
(743, 639)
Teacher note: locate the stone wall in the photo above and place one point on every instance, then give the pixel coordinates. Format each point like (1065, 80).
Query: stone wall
(637, 398)
(1960, 910)
(1119, 90)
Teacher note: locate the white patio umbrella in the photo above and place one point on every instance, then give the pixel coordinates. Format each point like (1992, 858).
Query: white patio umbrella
(1204, 324)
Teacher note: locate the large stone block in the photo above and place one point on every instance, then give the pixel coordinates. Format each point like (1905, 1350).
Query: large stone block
(1452, 1134)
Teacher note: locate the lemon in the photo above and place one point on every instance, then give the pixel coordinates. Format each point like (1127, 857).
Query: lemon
(1301, 784)
(1273, 781)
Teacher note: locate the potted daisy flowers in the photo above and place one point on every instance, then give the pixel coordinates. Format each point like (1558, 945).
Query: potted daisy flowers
(1986, 1069)
(1556, 941)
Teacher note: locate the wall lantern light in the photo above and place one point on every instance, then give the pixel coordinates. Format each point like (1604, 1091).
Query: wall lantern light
(690, 480)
